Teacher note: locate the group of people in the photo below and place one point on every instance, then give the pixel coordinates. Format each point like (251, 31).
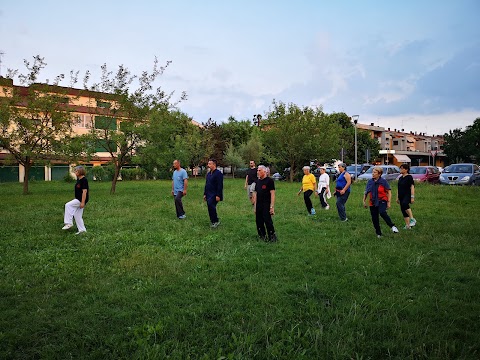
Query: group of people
(377, 189)
(261, 192)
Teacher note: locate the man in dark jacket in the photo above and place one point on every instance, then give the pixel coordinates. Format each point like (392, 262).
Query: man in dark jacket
(213, 191)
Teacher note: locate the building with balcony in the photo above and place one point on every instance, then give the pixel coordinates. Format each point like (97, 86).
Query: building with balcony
(398, 147)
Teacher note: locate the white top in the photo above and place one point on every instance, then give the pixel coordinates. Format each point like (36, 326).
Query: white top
(324, 182)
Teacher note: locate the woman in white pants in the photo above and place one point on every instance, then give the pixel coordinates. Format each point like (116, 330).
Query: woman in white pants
(324, 188)
(74, 208)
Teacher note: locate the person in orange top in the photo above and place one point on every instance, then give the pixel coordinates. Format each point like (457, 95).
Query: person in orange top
(308, 187)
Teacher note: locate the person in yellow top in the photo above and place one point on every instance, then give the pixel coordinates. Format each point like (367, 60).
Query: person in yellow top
(308, 187)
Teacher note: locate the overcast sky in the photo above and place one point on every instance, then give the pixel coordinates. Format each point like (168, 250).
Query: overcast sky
(411, 64)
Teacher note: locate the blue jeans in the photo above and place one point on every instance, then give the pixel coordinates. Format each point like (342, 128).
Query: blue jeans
(341, 200)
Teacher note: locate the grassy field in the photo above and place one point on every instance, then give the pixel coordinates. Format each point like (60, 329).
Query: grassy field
(143, 285)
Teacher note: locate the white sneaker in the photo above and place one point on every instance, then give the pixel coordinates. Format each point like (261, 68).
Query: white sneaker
(413, 222)
(80, 232)
(67, 226)
(327, 207)
(394, 229)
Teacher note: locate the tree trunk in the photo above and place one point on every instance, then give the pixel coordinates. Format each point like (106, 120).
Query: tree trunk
(27, 165)
(115, 177)
(292, 171)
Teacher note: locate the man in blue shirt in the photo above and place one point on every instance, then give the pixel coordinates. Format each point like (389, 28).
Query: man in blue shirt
(213, 191)
(179, 187)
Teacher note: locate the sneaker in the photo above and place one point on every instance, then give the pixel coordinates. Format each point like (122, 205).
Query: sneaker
(407, 227)
(379, 236)
(327, 207)
(346, 219)
(215, 224)
(181, 217)
(313, 212)
(413, 222)
(67, 226)
(394, 229)
(80, 232)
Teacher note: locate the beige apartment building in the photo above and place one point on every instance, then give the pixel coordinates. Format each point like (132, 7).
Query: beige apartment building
(88, 109)
(398, 147)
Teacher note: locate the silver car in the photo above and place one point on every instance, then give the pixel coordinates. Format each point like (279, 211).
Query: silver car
(390, 172)
(461, 174)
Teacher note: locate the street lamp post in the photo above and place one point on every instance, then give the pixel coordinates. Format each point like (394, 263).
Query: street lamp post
(355, 121)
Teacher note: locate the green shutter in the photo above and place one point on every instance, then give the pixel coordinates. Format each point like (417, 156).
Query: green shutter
(105, 122)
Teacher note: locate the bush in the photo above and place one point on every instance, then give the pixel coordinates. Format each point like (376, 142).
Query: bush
(99, 173)
(133, 174)
(68, 177)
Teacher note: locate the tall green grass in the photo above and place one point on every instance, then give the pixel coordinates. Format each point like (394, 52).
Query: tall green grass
(142, 284)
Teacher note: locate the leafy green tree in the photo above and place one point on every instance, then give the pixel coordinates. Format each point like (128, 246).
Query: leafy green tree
(233, 158)
(35, 119)
(297, 135)
(237, 132)
(454, 146)
(472, 140)
(463, 145)
(253, 149)
(121, 118)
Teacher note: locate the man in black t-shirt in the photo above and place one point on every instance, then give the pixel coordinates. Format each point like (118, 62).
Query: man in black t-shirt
(250, 179)
(264, 202)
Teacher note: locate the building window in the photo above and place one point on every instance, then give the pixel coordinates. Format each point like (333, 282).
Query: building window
(395, 142)
(82, 121)
(103, 104)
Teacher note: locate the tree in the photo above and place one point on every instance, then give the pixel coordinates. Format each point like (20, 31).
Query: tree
(253, 149)
(463, 145)
(454, 146)
(35, 120)
(233, 158)
(121, 118)
(297, 135)
(472, 139)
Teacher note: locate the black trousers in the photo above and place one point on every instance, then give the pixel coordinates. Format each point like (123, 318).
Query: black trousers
(263, 219)
(212, 209)
(308, 202)
(179, 204)
(381, 210)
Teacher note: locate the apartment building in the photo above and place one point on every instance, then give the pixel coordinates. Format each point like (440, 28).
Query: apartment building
(398, 147)
(88, 109)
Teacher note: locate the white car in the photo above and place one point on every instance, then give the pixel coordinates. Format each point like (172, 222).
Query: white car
(390, 172)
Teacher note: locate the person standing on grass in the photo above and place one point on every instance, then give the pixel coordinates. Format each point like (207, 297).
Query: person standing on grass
(250, 179)
(342, 190)
(308, 187)
(74, 208)
(213, 192)
(380, 197)
(179, 187)
(264, 205)
(323, 188)
(406, 195)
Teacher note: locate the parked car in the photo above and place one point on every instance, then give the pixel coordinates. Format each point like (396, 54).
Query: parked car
(331, 171)
(361, 169)
(277, 176)
(390, 172)
(425, 174)
(461, 174)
